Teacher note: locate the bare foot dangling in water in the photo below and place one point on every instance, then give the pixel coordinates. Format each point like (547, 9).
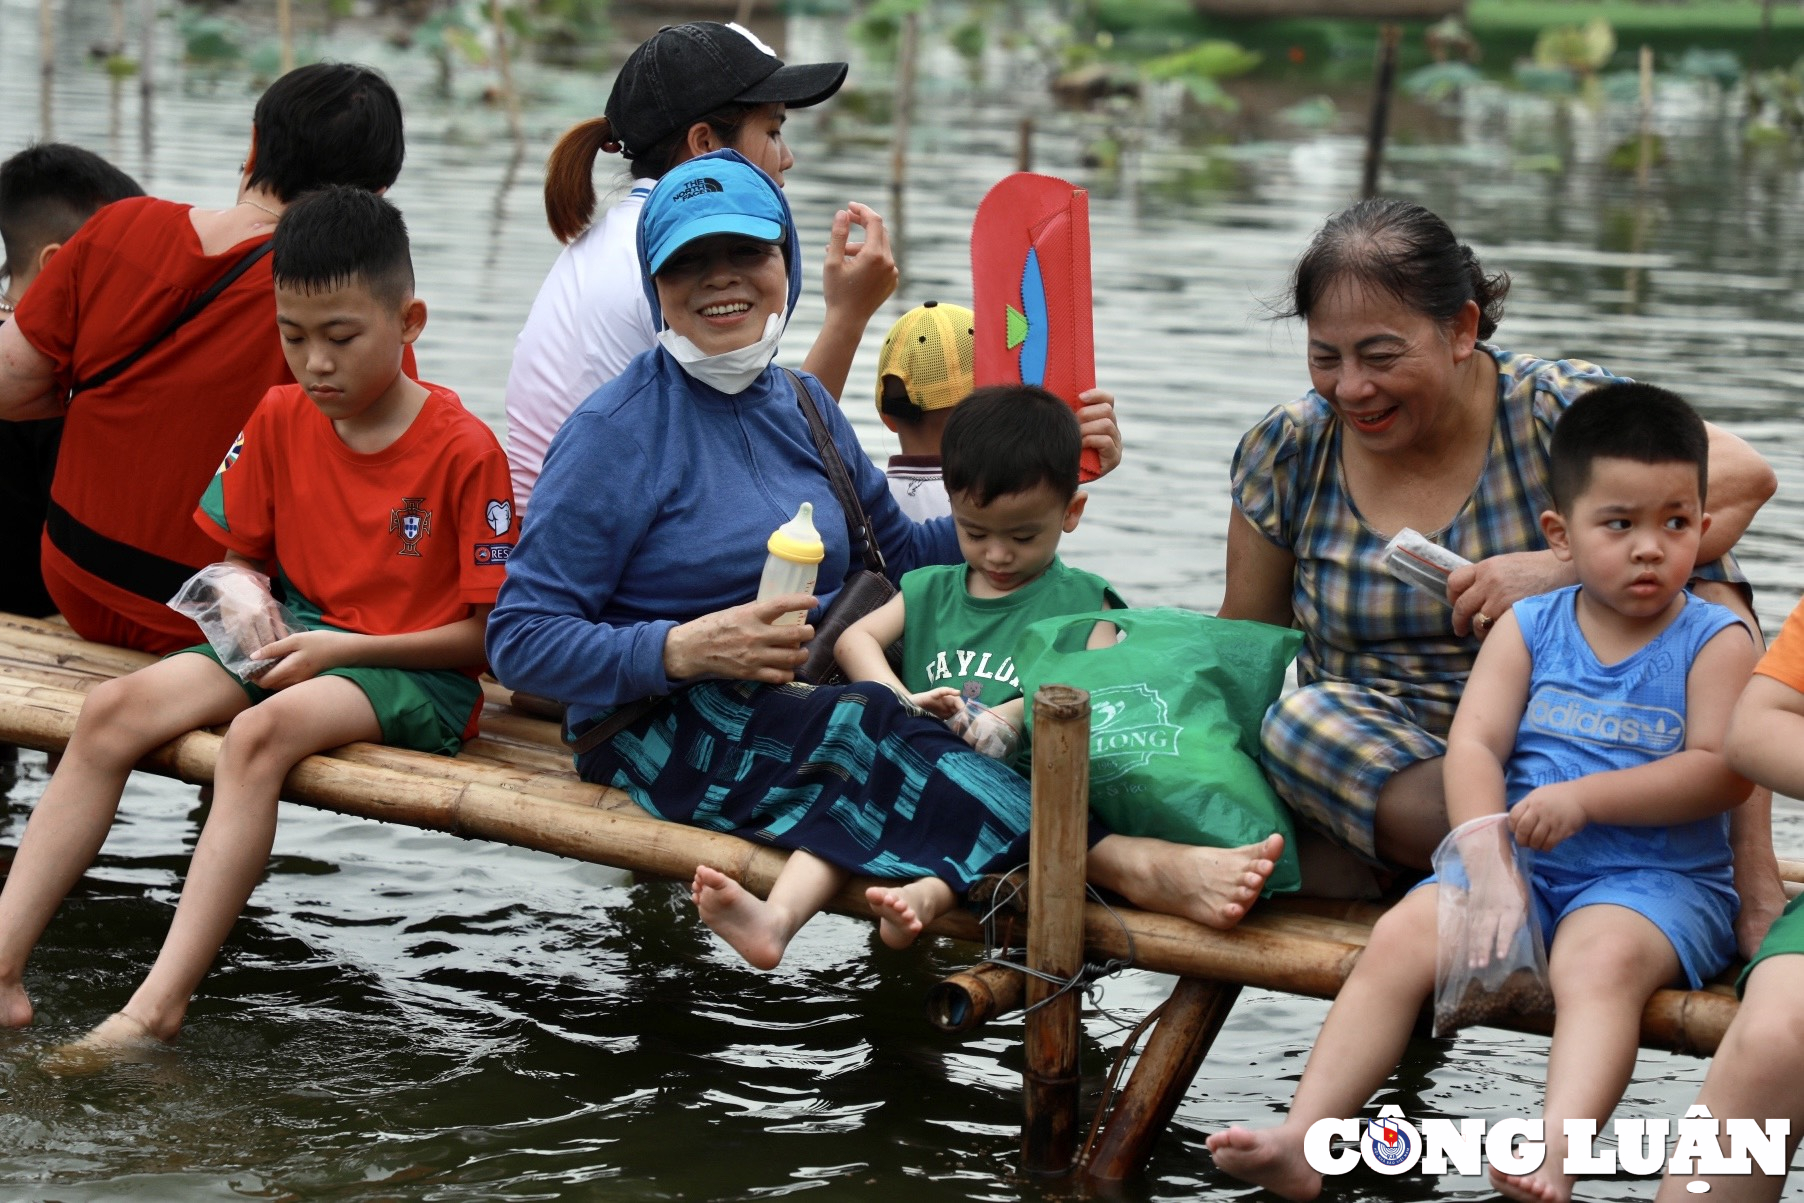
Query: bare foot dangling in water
(757, 931)
(1268, 1158)
(903, 911)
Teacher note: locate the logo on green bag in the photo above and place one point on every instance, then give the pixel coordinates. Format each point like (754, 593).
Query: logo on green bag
(1128, 727)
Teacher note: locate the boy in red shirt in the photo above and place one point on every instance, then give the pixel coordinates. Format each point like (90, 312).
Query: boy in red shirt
(388, 508)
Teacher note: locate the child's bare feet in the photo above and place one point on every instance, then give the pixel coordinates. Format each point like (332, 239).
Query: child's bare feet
(1268, 1158)
(116, 1038)
(1213, 886)
(15, 1005)
(902, 911)
(756, 931)
(1545, 1185)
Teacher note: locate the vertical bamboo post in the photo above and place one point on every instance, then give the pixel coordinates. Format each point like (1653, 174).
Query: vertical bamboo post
(903, 118)
(1644, 150)
(285, 33)
(46, 66)
(504, 64)
(1189, 1025)
(115, 88)
(147, 46)
(1055, 925)
(1379, 126)
(1024, 145)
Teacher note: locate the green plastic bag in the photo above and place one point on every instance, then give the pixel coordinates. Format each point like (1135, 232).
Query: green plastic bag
(1175, 709)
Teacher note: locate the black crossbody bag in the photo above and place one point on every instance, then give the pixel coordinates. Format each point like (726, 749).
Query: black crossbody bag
(865, 589)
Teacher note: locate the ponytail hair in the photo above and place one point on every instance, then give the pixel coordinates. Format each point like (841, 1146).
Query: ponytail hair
(570, 176)
(570, 172)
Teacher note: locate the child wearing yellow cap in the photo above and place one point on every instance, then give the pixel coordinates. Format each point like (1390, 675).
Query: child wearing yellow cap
(923, 371)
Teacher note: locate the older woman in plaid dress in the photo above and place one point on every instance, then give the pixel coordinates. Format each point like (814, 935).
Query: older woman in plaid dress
(1414, 421)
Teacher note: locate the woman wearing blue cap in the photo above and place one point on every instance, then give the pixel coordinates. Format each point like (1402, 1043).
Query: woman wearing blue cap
(688, 90)
(636, 570)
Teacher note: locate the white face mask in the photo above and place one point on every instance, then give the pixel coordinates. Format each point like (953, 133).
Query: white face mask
(731, 372)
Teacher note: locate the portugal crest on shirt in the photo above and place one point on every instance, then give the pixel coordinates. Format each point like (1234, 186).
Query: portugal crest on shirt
(410, 522)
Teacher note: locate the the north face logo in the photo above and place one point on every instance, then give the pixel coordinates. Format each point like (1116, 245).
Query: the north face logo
(700, 186)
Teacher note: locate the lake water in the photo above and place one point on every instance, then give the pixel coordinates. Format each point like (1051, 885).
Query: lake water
(402, 1015)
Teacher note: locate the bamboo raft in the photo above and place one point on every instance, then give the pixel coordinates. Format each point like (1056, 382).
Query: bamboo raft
(514, 784)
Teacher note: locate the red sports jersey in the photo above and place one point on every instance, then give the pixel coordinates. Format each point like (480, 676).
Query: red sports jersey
(403, 540)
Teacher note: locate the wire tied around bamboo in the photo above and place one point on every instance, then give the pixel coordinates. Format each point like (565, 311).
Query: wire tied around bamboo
(1005, 897)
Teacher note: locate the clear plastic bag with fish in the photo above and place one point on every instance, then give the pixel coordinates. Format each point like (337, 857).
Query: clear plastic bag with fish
(986, 731)
(235, 610)
(1491, 958)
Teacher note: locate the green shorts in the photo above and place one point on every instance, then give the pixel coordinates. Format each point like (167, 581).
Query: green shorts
(1785, 936)
(427, 710)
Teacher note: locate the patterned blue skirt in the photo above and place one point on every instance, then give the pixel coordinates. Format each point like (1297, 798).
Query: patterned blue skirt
(844, 772)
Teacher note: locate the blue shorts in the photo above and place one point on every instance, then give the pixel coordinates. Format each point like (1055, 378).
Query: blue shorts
(1695, 914)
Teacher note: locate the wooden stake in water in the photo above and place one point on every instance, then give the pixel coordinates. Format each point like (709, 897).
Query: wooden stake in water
(904, 113)
(504, 64)
(1192, 1018)
(146, 90)
(46, 65)
(1379, 126)
(1644, 151)
(1057, 848)
(285, 33)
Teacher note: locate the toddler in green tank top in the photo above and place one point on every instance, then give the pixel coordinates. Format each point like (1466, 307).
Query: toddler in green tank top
(1010, 461)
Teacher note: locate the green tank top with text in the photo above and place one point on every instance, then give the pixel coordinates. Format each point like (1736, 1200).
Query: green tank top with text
(952, 638)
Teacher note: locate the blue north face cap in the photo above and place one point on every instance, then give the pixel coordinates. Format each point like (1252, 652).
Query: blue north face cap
(715, 194)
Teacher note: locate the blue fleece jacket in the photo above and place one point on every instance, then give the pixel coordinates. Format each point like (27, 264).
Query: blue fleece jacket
(653, 509)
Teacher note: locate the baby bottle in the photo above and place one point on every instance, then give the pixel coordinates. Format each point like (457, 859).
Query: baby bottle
(795, 555)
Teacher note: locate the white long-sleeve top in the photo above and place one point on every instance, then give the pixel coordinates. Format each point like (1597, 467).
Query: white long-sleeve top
(587, 323)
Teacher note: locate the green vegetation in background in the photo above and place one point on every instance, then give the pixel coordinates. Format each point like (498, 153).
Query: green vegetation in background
(1506, 30)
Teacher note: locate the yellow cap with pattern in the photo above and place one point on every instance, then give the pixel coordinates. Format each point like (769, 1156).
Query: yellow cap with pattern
(930, 349)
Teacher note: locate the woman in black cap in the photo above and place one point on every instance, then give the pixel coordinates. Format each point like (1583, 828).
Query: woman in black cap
(688, 90)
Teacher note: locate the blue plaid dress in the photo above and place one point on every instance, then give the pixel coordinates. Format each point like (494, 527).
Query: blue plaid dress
(1381, 669)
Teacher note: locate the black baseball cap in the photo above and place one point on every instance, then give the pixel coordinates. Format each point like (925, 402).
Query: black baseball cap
(684, 72)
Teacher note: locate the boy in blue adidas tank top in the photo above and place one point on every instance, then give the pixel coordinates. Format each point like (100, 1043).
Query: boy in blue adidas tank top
(1595, 716)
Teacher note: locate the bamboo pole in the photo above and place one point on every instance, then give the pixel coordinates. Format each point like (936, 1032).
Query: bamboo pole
(970, 999)
(46, 66)
(1379, 125)
(285, 33)
(147, 46)
(358, 780)
(510, 96)
(902, 119)
(1192, 1019)
(1302, 946)
(1055, 938)
(1644, 148)
(1024, 144)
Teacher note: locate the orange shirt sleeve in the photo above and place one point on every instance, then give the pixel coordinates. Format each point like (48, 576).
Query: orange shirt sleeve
(1784, 660)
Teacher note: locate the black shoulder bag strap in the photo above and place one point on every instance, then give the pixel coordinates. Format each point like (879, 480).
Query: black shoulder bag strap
(839, 478)
(106, 375)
